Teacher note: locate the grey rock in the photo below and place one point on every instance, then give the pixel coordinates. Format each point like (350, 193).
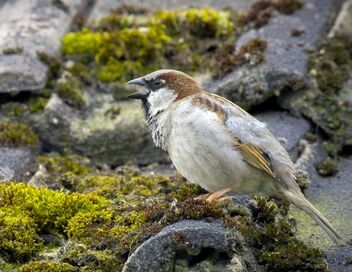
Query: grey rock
(285, 56)
(91, 132)
(177, 244)
(20, 72)
(343, 21)
(103, 7)
(331, 117)
(32, 26)
(332, 196)
(287, 129)
(16, 163)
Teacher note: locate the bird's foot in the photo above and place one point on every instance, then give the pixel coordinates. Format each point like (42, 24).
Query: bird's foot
(216, 196)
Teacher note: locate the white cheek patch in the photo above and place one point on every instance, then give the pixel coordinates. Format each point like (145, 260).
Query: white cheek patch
(161, 99)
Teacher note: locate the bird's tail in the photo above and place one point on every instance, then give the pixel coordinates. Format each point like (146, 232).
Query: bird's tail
(299, 200)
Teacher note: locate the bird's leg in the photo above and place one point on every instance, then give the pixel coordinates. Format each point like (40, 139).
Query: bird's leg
(215, 196)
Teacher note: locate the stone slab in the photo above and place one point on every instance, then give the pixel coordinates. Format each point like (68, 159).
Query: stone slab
(285, 57)
(287, 129)
(16, 163)
(160, 253)
(32, 26)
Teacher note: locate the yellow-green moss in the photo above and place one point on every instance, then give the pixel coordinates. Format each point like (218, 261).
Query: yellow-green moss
(18, 234)
(13, 109)
(120, 47)
(37, 104)
(50, 210)
(84, 224)
(87, 259)
(58, 164)
(16, 134)
(37, 266)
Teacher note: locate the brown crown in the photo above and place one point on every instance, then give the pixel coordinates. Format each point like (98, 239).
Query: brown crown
(181, 83)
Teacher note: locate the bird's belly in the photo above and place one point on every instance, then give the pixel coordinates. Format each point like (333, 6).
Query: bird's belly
(210, 160)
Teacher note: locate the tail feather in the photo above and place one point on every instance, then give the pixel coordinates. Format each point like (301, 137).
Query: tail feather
(299, 200)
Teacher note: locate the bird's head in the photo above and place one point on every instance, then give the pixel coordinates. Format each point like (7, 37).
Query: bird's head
(163, 87)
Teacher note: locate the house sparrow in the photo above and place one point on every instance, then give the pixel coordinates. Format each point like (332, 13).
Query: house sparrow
(216, 144)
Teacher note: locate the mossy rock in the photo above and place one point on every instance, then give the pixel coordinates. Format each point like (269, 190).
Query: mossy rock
(114, 132)
(327, 101)
(14, 134)
(141, 45)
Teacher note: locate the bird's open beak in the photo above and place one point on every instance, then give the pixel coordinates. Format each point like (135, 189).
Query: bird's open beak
(140, 94)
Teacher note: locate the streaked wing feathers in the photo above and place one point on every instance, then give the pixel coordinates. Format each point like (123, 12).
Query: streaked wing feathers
(251, 154)
(255, 157)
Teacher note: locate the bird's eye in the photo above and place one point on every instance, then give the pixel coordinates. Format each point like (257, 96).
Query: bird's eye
(158, 84)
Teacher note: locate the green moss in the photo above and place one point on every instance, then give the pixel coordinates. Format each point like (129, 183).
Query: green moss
(18, 235)
(293, 256)
(330, 149)
(13, 109)
(12, 50)
(81, 71)
(273, 240)
(16, 134)
(251, 52)
(66, 170)
(170, 19)
(120, 47)
(79, 255)
(84, 224)
(37, 104)
(84, 42)
(327, 167)
(37, 266)
(331, 67)
(207, 22)
(50, 210)
(258, 15)
(54, 64)
(70, 90)
(287, 6)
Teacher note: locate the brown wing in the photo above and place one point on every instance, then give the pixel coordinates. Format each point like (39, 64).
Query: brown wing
(251, 154)
(255, 157)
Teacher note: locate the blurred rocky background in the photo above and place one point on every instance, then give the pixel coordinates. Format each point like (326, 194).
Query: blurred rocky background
(82, 187)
